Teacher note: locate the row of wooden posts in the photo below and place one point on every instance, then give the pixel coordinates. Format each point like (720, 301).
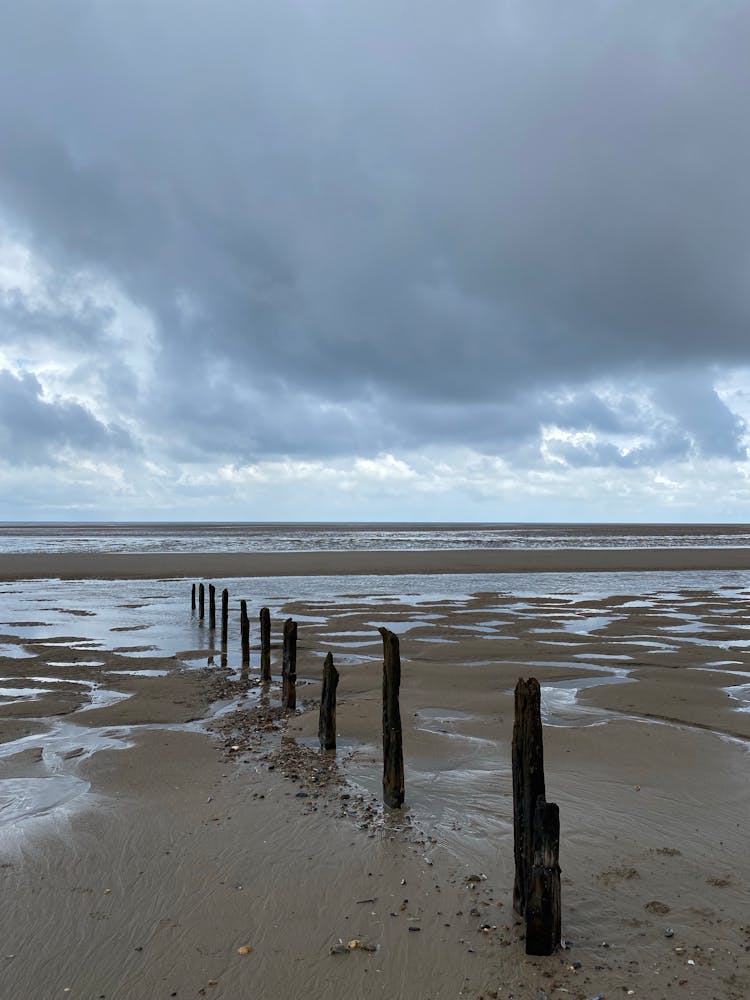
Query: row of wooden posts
(327, 725)
(536, 822)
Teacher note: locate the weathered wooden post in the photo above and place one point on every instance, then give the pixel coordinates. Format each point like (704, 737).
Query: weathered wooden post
(192, 599)
(244, 634)
(201, 601)
(327, 721)
(224, 616)
(211, 606)
(536, 827)
(543, 903)
(265, 645)
(528, 782)
(393, 755)
(289, 666)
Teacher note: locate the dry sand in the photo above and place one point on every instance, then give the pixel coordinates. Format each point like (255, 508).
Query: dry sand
(189, 845)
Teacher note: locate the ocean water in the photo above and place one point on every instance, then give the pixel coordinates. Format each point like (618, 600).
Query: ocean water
(264, 537)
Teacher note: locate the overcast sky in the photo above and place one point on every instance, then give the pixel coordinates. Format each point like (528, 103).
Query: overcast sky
(330, 259)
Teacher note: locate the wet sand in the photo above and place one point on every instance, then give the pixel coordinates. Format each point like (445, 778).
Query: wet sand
(195, 827)
(129, 566)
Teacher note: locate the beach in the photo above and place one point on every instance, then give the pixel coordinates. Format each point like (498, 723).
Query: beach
(167, 832)
(130, 566)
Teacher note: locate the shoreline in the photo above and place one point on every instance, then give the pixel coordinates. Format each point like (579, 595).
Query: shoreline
(122, 566)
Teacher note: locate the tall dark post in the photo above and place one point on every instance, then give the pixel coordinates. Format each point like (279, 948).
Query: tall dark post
(244, 634)
(536, 827)
(327, 721)
(528, 782)
(224, 616)
(289, 666)
(211, 606)
(201, 601)
(393, 755)
(192, 599)
(265, 645)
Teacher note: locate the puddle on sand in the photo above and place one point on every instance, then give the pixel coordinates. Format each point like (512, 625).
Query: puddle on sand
(553, 642)
(344, 658)
(352, 644)
(63, 744)
(400, 627)
(140, 673)
(74, 663)
(602, 656)
(99, 697)
(686, 628)
(653, 645)
(442, 714)
(486, 628)
(442, 721)
(14, 652)
(310, 619)
(727, 644)
(136, 650)
(22, 798)
(354, 634)
(9, 694)
(560, 706)
(103, 697)
(741, 694)
(85, 644)
(585, 626)
(249, 699)
(61, 680)
(454, 801)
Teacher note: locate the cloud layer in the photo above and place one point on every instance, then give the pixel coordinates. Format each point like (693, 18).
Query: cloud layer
(385, 247)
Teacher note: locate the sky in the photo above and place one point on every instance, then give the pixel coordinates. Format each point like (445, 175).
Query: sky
(337, 260)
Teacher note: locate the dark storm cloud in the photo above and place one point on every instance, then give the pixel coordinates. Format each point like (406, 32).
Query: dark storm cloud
(697, 408)
(427, 215)
(33, 430)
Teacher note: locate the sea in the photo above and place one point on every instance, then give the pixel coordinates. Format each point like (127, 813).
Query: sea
(341, 537)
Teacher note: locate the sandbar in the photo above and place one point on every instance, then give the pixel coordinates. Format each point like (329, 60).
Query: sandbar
(122, 566)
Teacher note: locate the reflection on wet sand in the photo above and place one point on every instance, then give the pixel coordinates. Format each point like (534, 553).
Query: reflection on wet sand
(452, 625)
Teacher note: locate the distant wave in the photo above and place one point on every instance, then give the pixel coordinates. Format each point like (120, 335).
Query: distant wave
(138, 537)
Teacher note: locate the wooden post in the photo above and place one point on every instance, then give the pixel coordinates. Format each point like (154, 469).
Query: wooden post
(201, 601)
(224, 616)
(211, 606)
(192, 599)
(543, 903)
(327, 721)
(265, 645)
(244, 634)
(528, 782)
(393, 755)
(536, 827)
(289, 666)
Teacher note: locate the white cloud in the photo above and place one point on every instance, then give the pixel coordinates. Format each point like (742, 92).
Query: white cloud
(383, 469)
